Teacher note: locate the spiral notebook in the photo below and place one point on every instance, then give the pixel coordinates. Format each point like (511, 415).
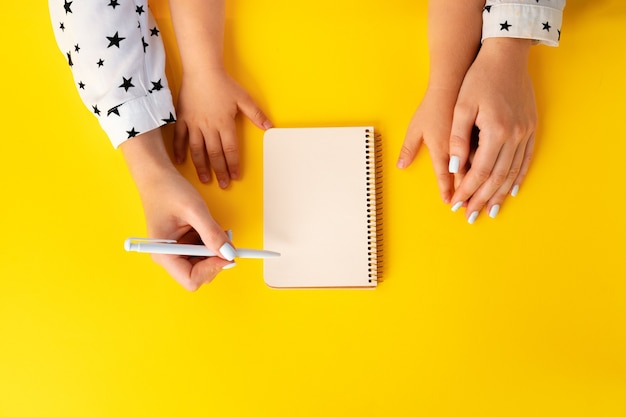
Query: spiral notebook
(323, 207)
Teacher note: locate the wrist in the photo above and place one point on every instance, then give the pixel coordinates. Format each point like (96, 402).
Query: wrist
(147, 158)
(507, 49)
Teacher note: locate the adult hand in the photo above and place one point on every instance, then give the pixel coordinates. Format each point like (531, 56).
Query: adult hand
(497, 97)
(175, 210)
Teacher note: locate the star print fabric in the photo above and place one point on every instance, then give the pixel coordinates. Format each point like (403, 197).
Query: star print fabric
(539, 20)
(117, 59)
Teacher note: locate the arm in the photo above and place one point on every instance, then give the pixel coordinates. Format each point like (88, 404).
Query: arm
(454, 30)
(118, 70)
(107, 75)
(209, 98)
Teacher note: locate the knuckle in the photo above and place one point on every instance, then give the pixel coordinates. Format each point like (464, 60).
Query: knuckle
(258, 115)
(230, 149)
(196, 147)
(498, 177)
(457, 140)
(481, 174)
(513, 173)
(406, 151)
(215, 153)
(461, 109)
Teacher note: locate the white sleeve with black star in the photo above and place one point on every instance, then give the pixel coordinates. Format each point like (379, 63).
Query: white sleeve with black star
(116, 55)
(539, 20)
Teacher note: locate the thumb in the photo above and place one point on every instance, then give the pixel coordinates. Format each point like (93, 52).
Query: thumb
(254, 112)
(463, 122)
(211, 233)
(412, 143)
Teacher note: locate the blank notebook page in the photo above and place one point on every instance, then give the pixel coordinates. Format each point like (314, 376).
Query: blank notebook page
(316, 207)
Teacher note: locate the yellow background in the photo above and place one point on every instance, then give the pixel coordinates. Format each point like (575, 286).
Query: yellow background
(523, 315)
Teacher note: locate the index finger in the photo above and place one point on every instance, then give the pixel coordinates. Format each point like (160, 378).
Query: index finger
(230, 149)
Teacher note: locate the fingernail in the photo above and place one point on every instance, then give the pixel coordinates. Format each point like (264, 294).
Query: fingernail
(472, 217)
(457, 206)
(267, 124)
(453, 166)
(401, 164)
(515, 190)
(230, 265)
(494, 211)
(229, 233)
(227, 251)
(204, 178)
(223, 183)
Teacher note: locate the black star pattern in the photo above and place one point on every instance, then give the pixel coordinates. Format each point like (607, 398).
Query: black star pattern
(132, 133)
(76, 48)
(154, 31)
(113, 110)
(505, 25)
(62, 27)
(127, 83)
(100, 62)
(113, 3)
(487, 9)
(546, 26)
(81, 85)
(170, 119)
(67, 6)
(156, 86)
(114, 40)
(139, 10)
(69, 59)
(96, 110)
(145, 45)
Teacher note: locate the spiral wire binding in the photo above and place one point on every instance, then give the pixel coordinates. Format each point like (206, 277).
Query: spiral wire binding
(374, 169)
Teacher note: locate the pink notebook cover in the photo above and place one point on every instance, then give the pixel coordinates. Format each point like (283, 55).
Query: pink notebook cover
(320, 207)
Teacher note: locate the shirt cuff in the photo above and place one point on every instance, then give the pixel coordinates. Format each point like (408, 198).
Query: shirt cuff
(138, 116)
(527, 21)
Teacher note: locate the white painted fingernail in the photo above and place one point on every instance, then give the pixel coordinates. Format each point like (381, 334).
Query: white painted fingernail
(494, 211)
(227, 251)
(515, 190)
(453, 166)
(230, 265)
(457, 206)
(472, 217)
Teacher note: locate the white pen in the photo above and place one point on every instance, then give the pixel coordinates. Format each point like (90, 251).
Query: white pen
(170, 247)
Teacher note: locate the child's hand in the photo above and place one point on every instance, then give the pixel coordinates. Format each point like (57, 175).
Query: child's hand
(497, 97)
(207, 106)
(431, 124)
(175, 210)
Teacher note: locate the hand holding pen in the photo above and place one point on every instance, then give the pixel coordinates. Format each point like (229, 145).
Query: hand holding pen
(175, 210)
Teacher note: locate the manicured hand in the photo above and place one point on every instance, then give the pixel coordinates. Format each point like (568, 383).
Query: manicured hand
(175, 210)
(497, 97)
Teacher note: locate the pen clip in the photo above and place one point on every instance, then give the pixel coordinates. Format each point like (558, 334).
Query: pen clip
(132, 240)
